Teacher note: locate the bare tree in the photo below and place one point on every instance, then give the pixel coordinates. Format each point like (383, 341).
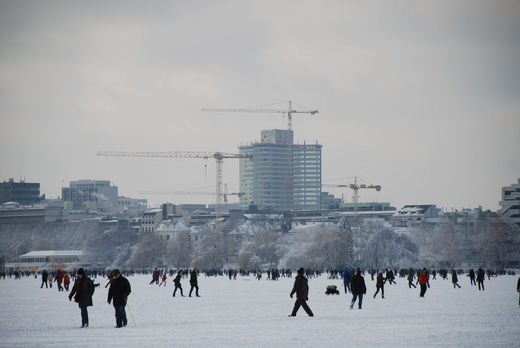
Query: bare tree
(149, 253)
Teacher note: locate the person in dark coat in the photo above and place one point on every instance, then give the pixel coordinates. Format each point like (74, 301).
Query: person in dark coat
(45, 275)
(301, 288)
(82, 292)
(194, 283)
(358, 288)
(118, 292)
(411, 276)
(380, 284)
(480, 278)
(471, 276)
(177, 283)
(518, 290)
(454, 279)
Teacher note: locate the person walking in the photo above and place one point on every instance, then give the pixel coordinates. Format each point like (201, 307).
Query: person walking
(423, 280)
(163, 279)
(454, 279)
(358, 288)
(177, 283)
(59, 280)
(66, 281)
(471, 276)
(347, 277)
(380, 284)
(390, 277)
(518, 290)
(45, 275)
(480, 278)
(82, 292)
(194, 283)
(118, 292)
(411, 276)
(301, 289)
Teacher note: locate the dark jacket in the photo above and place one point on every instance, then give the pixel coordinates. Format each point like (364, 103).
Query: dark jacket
(380, 281)
(481, 275)
(119, 291)
(357, 285)
(83, 290)
(193, 278)
(177, 280)
(301, 288)
(454, 278)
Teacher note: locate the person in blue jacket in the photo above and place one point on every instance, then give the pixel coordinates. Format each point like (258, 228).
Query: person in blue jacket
(347, 277)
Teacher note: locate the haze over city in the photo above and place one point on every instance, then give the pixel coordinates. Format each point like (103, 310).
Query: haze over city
(420, 98)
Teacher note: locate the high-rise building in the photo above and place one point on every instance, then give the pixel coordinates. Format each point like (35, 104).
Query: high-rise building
(281, 175)
(21, 192)
(90, 194)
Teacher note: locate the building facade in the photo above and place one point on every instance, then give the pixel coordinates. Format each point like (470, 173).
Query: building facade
(90, 195)
(281, 175)
(21, 192)
(510, 203)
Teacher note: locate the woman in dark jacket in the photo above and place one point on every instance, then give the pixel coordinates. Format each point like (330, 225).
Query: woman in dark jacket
(177, 283)
(380, 284)
(194, 283)
(301, 289)
(82, 292)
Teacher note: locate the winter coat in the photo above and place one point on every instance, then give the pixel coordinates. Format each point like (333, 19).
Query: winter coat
(454, 278)
(44, 276)
(380, 281)
(481, 275)
(346, 276)
(423, 277)
(411, 275)
(119, 291)
(177, 280)
(357, 285)
(471, 274)
(83, 289)
(301, 288)
(193, 278)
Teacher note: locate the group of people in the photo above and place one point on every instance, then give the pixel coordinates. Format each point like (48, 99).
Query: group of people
(62, 279)
(83, 290)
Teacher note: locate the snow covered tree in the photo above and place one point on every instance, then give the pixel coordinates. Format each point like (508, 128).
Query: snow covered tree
(210, 252)
(179, 251)
(497, 245)
(149, 253)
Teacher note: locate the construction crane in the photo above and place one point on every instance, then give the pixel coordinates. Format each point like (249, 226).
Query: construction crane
(218, 156)
(289, 112)
(356, 187)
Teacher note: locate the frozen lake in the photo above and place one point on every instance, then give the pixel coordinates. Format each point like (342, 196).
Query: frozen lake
(250, 313)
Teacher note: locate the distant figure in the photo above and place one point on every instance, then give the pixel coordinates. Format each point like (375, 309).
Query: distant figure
(358, 288)
(390, 277)
(518, 290)
(163, 279)
(347, 277)
(177, 283)
(411, 276)
(480, 278)
(82, 292)
(259, 274)
(194, 283)
(471, 276)
(423, 280)
(118, 292)
(301, 288)
(45, 275)
(155, 276)
(66, 281)
(454, 279)
(380, 284)
(59, 280)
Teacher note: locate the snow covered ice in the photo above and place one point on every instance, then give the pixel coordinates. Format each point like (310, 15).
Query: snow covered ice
(251, 313)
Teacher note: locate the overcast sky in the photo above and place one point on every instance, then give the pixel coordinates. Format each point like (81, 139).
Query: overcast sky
(420, 97)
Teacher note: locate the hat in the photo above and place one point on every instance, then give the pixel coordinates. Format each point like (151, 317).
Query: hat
(115, 272)
(300, 271)
(81, 271)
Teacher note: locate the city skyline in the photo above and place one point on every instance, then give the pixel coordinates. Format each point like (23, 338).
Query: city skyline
(420, 98)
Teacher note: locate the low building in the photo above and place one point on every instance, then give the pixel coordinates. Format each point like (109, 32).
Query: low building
(410, 215)
(22, 192)
(50, 260)
(15, 213)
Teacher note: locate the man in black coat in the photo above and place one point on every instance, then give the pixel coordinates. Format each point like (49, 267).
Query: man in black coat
(358, 287)
(194, 283)
(302, 290)
(119, 291)
(82, 291)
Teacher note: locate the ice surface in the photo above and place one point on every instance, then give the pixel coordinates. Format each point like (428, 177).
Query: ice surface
(250, 313)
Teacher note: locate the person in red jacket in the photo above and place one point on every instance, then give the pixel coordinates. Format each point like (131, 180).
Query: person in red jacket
(66, 280)
(59, 280)
(422, 280)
